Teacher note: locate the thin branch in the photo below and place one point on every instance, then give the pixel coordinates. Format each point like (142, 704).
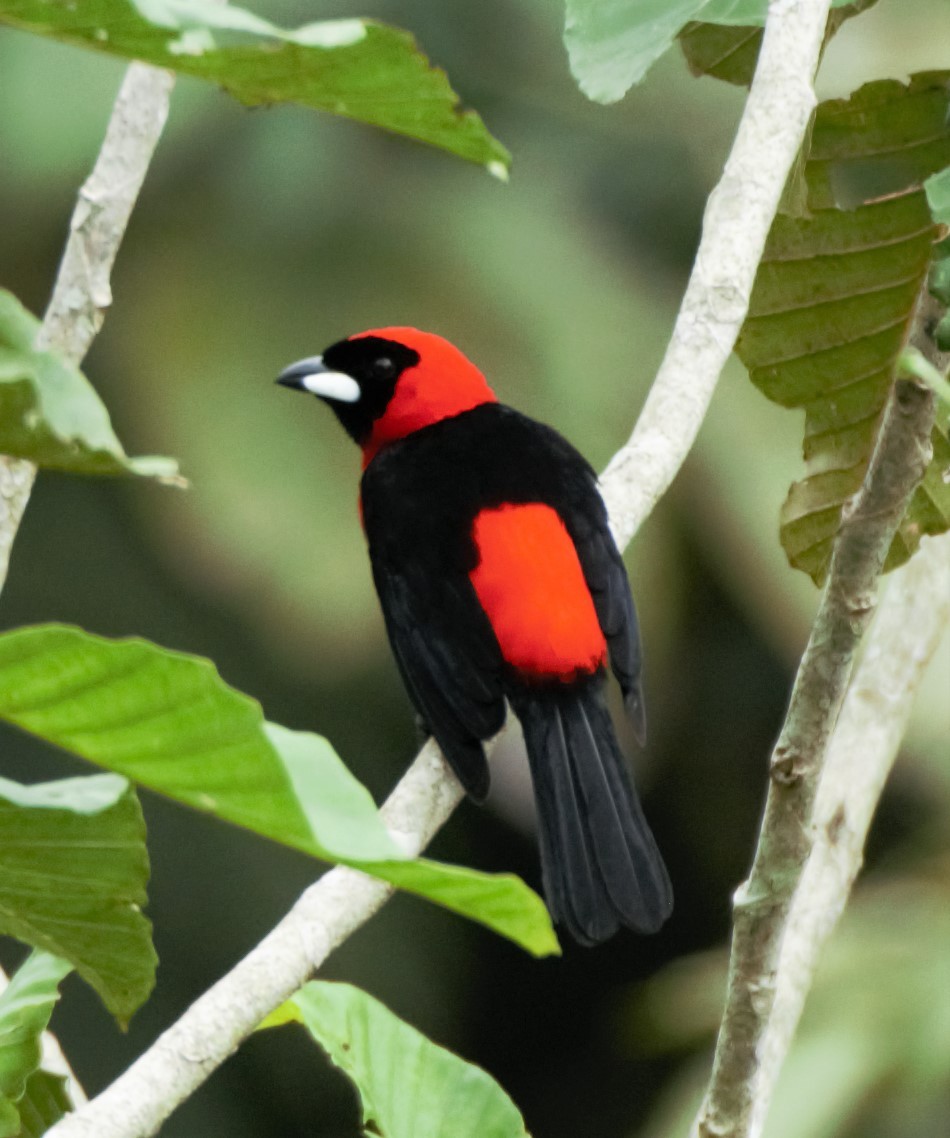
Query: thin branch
(81, 294)
(911, 620)
(737, 222)
(16, 482)
(738, 218)
(762, 904)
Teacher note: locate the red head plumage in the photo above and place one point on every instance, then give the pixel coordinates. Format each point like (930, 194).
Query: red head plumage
(443, 383)
(386, 383)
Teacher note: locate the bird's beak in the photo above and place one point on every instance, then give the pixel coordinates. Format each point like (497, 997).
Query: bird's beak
(314, 376)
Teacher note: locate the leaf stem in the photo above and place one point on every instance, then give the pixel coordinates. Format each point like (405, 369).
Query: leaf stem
(913, 362)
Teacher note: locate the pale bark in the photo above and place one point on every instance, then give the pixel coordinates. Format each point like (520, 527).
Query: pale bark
(81, 294)
(763, 903)
(912, 619)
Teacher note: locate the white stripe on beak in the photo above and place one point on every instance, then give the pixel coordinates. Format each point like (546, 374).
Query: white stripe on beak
(332, 385)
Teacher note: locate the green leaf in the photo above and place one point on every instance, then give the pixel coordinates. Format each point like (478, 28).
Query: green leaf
(725, 53)
(941, 334)
(45, 1101)
(888, 138)
(25, 1007)
(168, 721)
(835, 298)
(75, 868)
(730, 52)
(937, 189)
(794, 200)
(356, 68)
(940, 273)
(49, 412)
(611, 44)
(740, 12)
(408, 1086)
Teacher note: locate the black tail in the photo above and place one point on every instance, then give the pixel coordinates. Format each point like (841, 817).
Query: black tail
(600, 863)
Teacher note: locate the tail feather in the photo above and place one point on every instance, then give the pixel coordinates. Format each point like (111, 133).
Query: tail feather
(638, 883)
(579, 878)
(618, 861)
(600, 863)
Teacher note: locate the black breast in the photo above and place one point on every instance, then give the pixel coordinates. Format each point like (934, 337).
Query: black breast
(420, 495)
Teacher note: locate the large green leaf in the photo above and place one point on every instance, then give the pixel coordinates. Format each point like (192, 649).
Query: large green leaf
(356, 68)
(43, 1104)
(730, 53)
(49, 412)
(169, 722)
(74, 874)
(835, 298)
(25, 1007)
(408, 1086)
(611, 44)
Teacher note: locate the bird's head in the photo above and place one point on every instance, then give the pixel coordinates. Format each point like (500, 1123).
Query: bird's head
(386, 383)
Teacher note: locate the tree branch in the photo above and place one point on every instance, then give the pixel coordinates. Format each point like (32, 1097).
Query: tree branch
(859, 756)
(763, 903)
(737, 222)
(910, 623)
(81, 293)
(736, 225)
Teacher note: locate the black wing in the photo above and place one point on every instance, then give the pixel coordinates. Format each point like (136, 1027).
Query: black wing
(449, 662)
(417, 518)
(610, 588)
(584, 514)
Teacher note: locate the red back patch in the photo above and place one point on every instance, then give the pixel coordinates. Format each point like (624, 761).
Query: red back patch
(531, 585)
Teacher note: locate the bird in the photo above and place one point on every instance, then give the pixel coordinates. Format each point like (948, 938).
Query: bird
(500, 584)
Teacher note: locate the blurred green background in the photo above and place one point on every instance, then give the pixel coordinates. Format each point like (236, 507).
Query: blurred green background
(262, 236)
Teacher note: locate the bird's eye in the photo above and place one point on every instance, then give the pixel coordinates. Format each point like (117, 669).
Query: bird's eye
(384, 368)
